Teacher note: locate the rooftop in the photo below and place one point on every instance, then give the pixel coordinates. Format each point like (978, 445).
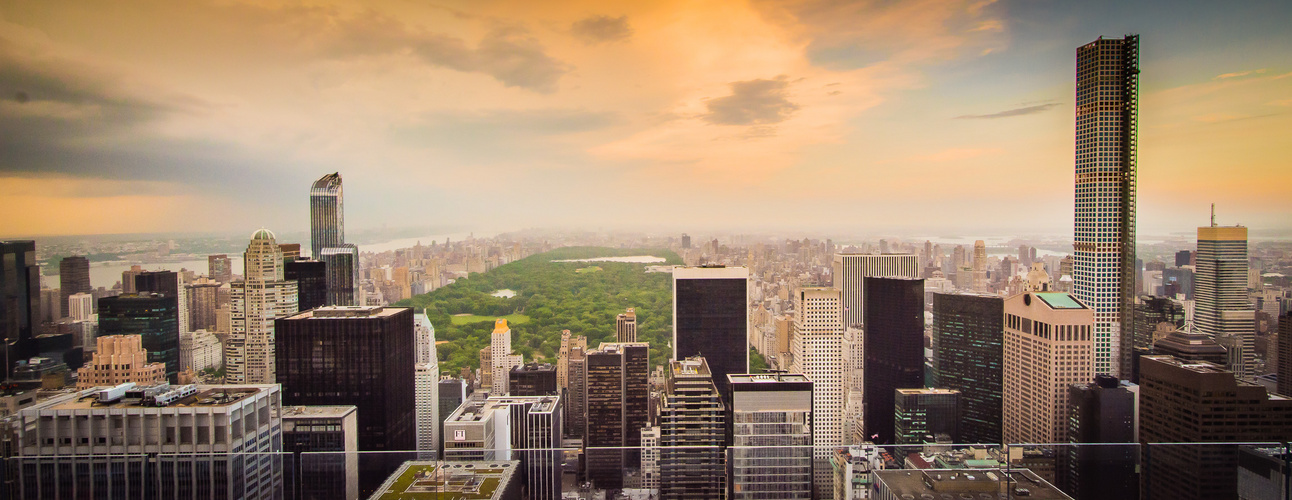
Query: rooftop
(328, 312)
(977, 483)
(430, 480)
(318, 411)
(206, 396)
(476, 410)
(764, 378)
(1059, 300)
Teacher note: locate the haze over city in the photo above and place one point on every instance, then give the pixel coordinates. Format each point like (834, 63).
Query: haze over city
(853, 117)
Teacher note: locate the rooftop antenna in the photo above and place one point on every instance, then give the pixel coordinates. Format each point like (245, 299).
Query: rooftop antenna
(1213, 215)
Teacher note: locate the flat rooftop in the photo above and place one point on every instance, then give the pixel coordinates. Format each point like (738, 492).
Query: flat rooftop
(429, 480)
(207, 396)
(333, 312)
(766, 378)
(995, 483)
(475, 410)
(318, 411)
(928, 391)
(1059, 300)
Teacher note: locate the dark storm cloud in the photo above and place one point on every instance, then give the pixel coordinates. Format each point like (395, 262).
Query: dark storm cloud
(753, 102)
(599, 29)
(1026, 110)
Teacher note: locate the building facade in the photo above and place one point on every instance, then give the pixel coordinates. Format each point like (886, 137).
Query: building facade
(152, 317)
(73, 278)
(894, 349)
(616, 400)
(769, 426)
(1101, 412)
(327, 215)
(692, 427)
(262, 296)
(1048, 342)
(1107, 110)
(1221, 307)
(926, 416)
(501, 358)
(817, 352)
(324, 441)
(851, 270)
(968, 356)
(119, 359)
(711, 318)
(626, 326)
(510, 428)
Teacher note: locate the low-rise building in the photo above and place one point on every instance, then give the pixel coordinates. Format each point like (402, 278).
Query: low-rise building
(475, 480)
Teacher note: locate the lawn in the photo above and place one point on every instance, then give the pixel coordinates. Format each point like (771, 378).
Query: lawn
(514, 319)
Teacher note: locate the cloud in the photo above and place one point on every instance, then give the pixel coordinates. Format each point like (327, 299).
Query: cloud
(509, 56)
(752, 102)
(1240, 74)
(1027, 110)
(600, 29)
(954, 154)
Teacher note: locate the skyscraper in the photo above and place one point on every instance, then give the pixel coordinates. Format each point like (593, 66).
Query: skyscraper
(327, 214)
(502, 358)
(426, 371)
(576, 401)
(894, 348)
(311, 281)
(818, 353)
(616, 409)
(532, 379)
(1221, 307)
(257, 300)
(692, 427)
(1048, 339)
(19, 300)
(926, 416)
(219, 268)
(626, 326)
(361, 356)
(503, 427)
(850, 270)
(1198, 402)
(968, 356)
(73, 278)
(342, 267)
(1107, 110)
(980, 266)
(168, 284)
(1285, 355)
(711, 318)
(770, 434)
(1100, 414)
(152, 317)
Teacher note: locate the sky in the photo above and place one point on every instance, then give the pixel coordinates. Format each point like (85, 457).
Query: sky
(858, 117)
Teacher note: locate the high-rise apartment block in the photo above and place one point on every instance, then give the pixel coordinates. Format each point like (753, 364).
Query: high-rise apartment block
(73, 278)
(202, 297)
(508, 428)
(851, 270)
(167, 283)
(1219, 408)
(152, 317)
(1094, 466)
(568, 342)
(617, 391)
(711, 318)
(80, 306)
(1284, 368)
(576, 405)
(894, 348)
(190, 441)
(626, 326)
(926, 416)
(426, 372)
(200, 350)
(1221, 306)
(1107, 111)
(1048, 339)
(968, 356)
(502, 359)
(119, 359)
(817, 350)
(692, 426)
(257, 300)
(769, 426)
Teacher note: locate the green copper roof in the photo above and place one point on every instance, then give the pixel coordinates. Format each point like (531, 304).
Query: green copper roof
(1059, 300)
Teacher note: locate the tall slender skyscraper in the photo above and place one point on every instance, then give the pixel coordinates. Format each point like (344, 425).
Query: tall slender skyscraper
(73, 278)
(257, 300)
(818, 354)
(626, 326)
(692, 426)
(616, 409)
(711, 318)
(894, 349)
(1106, 116)
(327, 214)
(1221, 307)
(19, 300)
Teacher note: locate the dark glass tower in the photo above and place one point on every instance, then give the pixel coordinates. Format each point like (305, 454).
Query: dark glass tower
(341, 265)
(968, 356)
(73, 278)
(361, 356)
(1106, 140)
(19, 300)
(894, 348)
(926, 416)
(1101, 412)
(311, 281)
(163, 282)
(533, 379)
(1151, 310)
(710, 318)
(327, 214)
(1285, 355)
(152, 316)
(617, 408)
(692, 432)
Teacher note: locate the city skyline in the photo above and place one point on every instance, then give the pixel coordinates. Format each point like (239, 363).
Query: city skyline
(436, 109)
